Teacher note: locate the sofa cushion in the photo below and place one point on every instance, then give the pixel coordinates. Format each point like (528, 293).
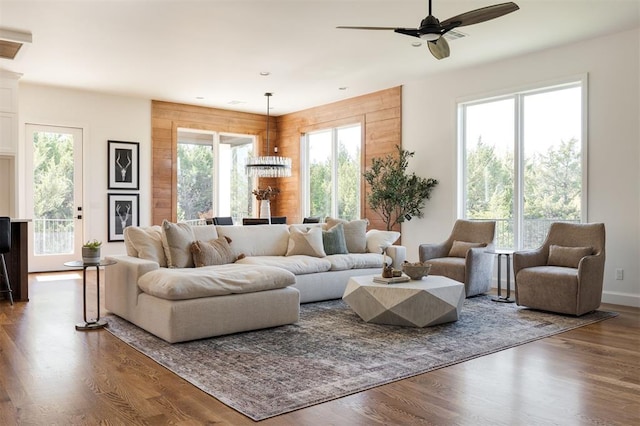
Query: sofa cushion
(204, 232)
(341, 262)
(460, 248)
(376, 239)
(257, 240)
(333, 240)
(214, 252)
(307, 243)
(176, 240)
(568, 257)
(299, 265)
(145, 243)
(355, 233)
(219, 280)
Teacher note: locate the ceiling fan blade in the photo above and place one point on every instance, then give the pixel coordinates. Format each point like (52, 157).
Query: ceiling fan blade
(480, 15)
(439, 48)
(367, 28)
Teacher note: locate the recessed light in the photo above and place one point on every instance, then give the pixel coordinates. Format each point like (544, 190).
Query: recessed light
(416, 44)
(264, 73)
(343, 88)
(199, 98)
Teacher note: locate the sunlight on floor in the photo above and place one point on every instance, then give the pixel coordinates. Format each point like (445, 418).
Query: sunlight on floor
(58, 277)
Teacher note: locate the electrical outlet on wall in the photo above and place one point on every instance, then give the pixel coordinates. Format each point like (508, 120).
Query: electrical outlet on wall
(619, 274)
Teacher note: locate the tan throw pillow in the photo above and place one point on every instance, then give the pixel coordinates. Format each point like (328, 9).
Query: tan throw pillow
(308, 243)
(460, 248)
(355, 233)
(569, 257)
(214, 252)
(176, 240)
(145, 243)
(377, 239)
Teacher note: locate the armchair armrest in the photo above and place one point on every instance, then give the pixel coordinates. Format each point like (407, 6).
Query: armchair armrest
(528, 259)
(478, 270)
(590, 278)
(432, 251)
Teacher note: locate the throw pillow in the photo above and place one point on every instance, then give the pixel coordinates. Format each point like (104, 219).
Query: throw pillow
(214, 252)
(460, 248)
(145, 243)
(568, 257)
(377, 240)
(355, 233)
(308, 242)
(176, 240)
(333, 240)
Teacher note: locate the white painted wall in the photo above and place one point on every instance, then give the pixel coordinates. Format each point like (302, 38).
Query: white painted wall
(103, 117)
(613, 67)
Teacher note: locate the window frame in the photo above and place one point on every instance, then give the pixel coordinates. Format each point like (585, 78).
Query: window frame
(519, 95)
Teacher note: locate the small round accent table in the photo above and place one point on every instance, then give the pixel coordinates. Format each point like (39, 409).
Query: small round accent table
(97, 323)
(507, 254)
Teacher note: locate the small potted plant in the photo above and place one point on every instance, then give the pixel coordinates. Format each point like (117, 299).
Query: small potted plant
(91, 251)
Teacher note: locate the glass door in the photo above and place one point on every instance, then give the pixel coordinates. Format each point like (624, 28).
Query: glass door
(54, 195)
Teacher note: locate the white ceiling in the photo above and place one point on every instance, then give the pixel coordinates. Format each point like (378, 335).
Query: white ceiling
(181, 50)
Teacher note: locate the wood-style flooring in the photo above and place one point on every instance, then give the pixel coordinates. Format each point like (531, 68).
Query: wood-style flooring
(51, 374)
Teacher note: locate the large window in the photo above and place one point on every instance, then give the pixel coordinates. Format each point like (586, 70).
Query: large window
(332, 170)
(522, 158)
(211, 176)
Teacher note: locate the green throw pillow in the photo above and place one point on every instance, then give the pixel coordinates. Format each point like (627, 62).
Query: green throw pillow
(333, 240)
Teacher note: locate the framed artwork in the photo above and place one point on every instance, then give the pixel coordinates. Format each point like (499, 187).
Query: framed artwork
(123, 211)
(124, 165)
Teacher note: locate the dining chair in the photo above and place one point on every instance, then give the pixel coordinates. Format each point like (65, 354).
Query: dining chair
(278, 220)
(223, 220)
(311, 220)
(255, 221)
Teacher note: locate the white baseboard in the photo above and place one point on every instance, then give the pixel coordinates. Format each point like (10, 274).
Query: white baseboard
(616, 298)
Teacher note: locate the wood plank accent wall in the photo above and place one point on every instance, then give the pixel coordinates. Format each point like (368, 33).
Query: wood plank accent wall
(380, 114)
(166, 118)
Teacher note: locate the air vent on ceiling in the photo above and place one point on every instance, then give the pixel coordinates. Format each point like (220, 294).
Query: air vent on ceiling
(11, 42)
(454, 35)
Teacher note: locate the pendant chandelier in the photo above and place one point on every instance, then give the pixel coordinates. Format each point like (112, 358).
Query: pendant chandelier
(269, 166)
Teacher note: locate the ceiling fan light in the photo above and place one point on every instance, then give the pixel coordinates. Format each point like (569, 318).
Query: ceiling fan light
(430, 36)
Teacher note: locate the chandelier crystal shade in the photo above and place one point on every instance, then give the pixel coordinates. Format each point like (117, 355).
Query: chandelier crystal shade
(268, 166)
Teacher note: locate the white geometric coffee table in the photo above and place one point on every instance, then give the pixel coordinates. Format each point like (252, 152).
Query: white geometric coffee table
(430, 301)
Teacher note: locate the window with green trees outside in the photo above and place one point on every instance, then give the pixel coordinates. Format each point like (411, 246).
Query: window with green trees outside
(522, 158)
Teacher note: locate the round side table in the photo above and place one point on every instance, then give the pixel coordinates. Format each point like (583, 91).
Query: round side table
(97, 323)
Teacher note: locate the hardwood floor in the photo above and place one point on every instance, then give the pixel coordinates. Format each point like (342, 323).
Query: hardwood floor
(52, 374)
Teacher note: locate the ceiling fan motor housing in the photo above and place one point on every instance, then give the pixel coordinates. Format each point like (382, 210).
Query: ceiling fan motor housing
(430, 28)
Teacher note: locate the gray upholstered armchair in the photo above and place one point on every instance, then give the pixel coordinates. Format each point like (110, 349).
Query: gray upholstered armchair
(463, 256)
(565, 274)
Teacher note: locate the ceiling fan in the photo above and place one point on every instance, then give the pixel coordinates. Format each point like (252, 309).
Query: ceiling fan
(431, 29)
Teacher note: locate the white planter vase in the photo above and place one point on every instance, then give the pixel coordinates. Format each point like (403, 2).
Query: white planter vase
(265, 209)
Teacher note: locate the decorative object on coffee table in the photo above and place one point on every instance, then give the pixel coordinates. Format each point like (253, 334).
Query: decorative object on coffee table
(417, 270)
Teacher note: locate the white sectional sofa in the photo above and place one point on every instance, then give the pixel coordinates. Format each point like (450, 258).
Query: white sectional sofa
(266, 271)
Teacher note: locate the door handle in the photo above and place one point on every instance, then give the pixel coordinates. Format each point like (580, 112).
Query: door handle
(79, 216)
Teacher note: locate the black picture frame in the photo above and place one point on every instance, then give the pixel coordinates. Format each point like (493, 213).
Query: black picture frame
(123, 211)
(123, 161)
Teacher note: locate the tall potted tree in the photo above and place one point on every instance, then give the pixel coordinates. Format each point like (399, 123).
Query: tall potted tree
(393, 193)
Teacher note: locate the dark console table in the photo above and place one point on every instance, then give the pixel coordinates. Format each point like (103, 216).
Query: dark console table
(17, 260)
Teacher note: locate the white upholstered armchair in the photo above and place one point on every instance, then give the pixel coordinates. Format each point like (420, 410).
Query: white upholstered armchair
(463, 256)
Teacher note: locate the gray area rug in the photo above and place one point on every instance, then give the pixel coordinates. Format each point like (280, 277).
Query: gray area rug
(331, 352)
